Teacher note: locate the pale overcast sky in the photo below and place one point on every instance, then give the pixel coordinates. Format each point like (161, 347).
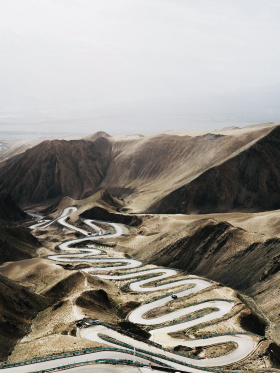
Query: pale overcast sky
(126, 66)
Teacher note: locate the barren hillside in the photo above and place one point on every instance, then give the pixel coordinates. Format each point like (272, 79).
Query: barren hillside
(16, 243)
(18, 307)
(247, 181)
(218, 247)
(9, 211)
(145, 169)
(54, 169)
(228, 170)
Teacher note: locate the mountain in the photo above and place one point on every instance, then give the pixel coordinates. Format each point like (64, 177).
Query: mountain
(18, 307)
(99, 213)
(101, 198)
(97, 135)
(10, 148)
(232, 170)
(17, 243)
(247, 181)
(55, 169)
(145, 171)
(218, 247)
(9, 210)
(178, 172)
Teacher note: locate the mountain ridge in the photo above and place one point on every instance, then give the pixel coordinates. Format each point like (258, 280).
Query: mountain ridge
(54, 169)
(213, 191)
(162, 173)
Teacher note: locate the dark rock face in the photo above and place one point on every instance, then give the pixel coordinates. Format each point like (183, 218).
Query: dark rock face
(9, 210)
(18, 307)
(247, 182)
(54, 169)
(102, 214)
(134, 329)
(17, 243)
(95, 300)
(273, 268)
(114, 203)
(65, 286)
(274, 353)
(253, 324)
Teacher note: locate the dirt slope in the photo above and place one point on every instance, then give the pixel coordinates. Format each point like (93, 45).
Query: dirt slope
(235, 169)
(18, 307)
(9, 210)
(246, 261)
(56, 168)
(66, 286)
(248, 181)
(101, 198)
(144, 170)
(10, 148)
(17, 243)
(97, 135)
(100, 213)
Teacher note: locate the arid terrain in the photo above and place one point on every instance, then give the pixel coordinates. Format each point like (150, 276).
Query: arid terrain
(206, 204)
(224, 171)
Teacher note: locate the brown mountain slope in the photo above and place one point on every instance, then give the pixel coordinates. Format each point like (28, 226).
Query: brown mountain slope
(101, 198)
(10, 148)
(248, 181)
(9, 210)
(18, 307)
(9, 151)
(196, 173)
(100, 213)
(147, 169)
(56, 168)
(245, 261)
(16, 243)
(67, 286)
(96, 136)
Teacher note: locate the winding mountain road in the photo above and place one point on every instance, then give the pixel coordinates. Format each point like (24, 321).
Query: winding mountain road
(161, 326)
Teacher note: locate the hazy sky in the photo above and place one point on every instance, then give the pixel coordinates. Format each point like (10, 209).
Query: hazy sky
(144, 66)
